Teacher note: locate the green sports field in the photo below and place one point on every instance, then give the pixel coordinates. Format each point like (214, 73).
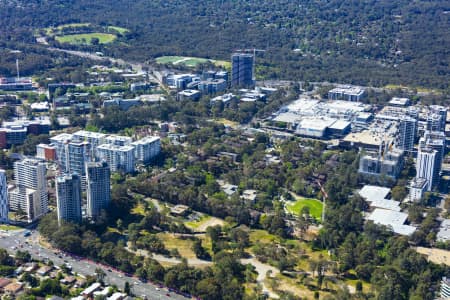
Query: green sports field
(86, 38)
(315, 207)
(191, 62)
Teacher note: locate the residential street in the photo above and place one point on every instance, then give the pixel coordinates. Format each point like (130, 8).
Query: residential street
(15, 240)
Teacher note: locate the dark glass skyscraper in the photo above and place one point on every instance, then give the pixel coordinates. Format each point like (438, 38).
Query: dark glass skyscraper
(98, 188)
(242, 70)
(68, 198)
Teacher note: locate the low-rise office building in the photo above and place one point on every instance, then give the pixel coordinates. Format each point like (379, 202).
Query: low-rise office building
(348, 93)
(389, 164)
(417, 189)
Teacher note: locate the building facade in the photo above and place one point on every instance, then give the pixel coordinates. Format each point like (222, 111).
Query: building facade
(441, 111)
(30, 195)
(389, 164)
(46, 152)
(436, 141)
(212, 86)
(242, 70)
(348, 93)
(426, 165)
(119, 158)
(417, 189)
(94, 139)
(407, 132)
(98, 188)
(68, 198)
(445, 288)
(4, 203)
(146, 149)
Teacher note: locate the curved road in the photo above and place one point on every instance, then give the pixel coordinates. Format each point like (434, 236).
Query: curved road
(14, 240)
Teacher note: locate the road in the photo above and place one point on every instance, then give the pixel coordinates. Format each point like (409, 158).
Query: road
(14, 240)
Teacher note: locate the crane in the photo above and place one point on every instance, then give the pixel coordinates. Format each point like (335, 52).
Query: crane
(254, 50)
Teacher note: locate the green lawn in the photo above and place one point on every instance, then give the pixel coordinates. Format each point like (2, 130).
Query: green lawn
(184, 246)
(190, 61)
(53, 30)
(315, 207)
(85, 38)
(196, 224)
(263, 236)
(9, 227)
(168, 59)
(120, 30)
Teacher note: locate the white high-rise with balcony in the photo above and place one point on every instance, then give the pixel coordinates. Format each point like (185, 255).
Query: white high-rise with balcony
(30, 195)
(147, 148)
(119, 158)
(426, 164)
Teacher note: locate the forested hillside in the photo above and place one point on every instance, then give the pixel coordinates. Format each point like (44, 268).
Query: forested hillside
(364, 42)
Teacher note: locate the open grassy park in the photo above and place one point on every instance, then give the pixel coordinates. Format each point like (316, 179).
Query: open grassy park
(315, 207)
(120, 30)
(86, 38)
(83, 33)
(191, 62)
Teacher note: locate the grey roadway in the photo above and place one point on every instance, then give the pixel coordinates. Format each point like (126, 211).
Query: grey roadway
(15, 240)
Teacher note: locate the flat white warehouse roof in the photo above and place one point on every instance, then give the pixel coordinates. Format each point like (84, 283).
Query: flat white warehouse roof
(374, 193)
(391, 218)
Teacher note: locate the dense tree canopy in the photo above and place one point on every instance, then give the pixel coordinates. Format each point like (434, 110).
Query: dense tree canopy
(365, 42)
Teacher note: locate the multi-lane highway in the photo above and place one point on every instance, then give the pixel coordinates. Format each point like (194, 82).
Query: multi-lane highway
(15, 240)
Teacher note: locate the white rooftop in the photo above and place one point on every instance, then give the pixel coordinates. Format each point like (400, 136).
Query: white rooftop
(89, 134)
(340, 125)
(146, 140)
(114, 147)
(403, 229)
(103, 292)
(189, 92)
(350, 90)
(318, 123)
(444, 231)
(399, 101)
(302, 105)
(374, 193)
(288, 117)
(386, 204)
(117, 296)
(391, 218)
(342, 106)
(93, 287)
(118, 139)
(63, 137)
(40, 106)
